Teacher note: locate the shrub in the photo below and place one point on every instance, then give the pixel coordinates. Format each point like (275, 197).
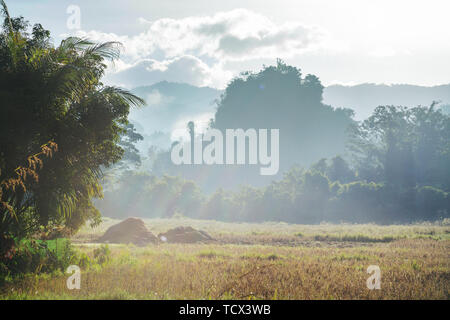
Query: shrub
(102, 254)
(37, 256)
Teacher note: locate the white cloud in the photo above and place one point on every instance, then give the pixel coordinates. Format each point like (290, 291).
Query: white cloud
(237, 34)
(188, 69)
(195, 49)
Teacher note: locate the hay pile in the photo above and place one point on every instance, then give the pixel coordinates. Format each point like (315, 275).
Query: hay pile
(131, 230)
(184, 235)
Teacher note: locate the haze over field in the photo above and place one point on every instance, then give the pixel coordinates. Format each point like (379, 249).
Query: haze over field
(305, 68)
(238, 149)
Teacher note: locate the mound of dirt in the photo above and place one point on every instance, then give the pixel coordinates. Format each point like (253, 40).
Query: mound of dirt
(131, 230)
(184, 235)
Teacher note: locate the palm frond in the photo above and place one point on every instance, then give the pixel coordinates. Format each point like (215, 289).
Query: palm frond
(106, 50)
(74, 43)
(127, 96)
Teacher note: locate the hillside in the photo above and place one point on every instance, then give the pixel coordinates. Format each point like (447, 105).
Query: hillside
(364, 98)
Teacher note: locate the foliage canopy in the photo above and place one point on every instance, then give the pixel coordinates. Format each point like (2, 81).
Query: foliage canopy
(55, 94)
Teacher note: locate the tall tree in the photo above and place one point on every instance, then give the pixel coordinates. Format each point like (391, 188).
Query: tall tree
(55, 94)
(277, 97)
(403, 147)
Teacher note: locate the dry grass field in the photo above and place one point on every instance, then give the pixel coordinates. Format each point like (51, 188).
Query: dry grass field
(258, 261)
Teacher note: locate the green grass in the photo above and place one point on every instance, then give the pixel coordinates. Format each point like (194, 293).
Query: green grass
(260, 261)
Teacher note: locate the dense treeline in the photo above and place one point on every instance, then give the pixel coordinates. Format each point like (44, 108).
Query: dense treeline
(395, 166)
(302, 196)
(400, 173)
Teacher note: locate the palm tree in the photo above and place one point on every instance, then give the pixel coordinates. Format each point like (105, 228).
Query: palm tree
(55, 94)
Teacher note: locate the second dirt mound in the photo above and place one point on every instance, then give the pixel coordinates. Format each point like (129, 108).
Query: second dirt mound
(131, 230)
(184, 235)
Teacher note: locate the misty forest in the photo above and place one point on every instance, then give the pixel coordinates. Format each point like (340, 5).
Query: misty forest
(70, 154)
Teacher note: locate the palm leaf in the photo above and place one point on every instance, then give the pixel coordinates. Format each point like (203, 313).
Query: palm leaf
(125, 95)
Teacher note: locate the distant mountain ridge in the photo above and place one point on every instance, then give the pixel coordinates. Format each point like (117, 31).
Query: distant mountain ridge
(182, 91)
(171, 105)
(170, 102)
(364, 98)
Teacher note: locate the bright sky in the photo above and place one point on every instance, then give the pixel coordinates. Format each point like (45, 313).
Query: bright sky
(206, 42)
